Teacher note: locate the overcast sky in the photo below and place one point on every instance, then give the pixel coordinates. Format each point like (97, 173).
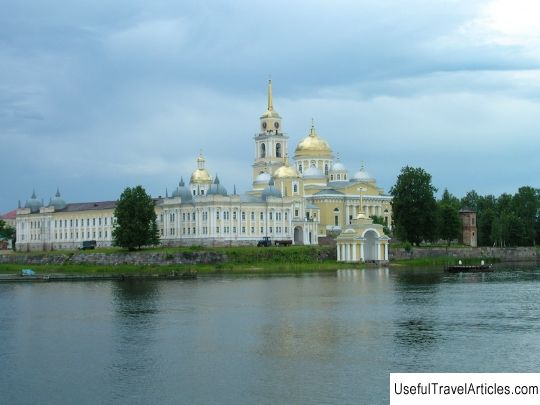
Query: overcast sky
(96, 96)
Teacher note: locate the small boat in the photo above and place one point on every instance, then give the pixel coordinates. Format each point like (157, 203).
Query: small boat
(27, 273)
(479, 268)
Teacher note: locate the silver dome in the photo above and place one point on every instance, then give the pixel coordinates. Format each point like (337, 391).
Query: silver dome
(362, 175)
(313, 172)
(263, 178)
(338, 167)
(33, 203)
(216, 188)
(58, 202)
(182, 191)
(270, 191)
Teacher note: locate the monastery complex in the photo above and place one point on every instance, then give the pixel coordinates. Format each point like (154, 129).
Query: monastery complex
(313, 196)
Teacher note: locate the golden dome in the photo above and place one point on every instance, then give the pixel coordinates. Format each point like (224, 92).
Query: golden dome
(270, 114)
(200, 176)
(285, 171)
(313, 146)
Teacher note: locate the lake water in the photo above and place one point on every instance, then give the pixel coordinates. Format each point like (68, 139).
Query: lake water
(331, 338)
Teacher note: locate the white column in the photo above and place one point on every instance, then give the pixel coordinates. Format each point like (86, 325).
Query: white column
(386, 251)
(362, 256)
(338, 252)
(354, 252)
(378, 250)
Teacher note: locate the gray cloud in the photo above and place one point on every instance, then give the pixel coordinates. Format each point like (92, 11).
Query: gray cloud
(128, 92)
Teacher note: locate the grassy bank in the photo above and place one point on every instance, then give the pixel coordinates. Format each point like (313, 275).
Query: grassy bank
(259, 268)
(240, 260)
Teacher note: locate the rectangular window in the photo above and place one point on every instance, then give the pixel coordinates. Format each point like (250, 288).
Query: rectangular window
(217, 214)
(193, 230)
(99, 221)
(100, 234)
(234, 229)
(88, 223)
(261, 216)
(295, 213)
(270, 229)
(234, 215)
(252, 216)
(88, 235)
(217, 229)
(252, 229)
(193, 216)
(70, 222)
(105, 222)
(286, 216)
(270, 215)
(262, 229)
(93, 222)
(243, 215)
(107, 235)
(243, 229)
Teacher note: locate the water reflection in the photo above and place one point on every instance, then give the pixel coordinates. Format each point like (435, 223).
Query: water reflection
(132, 361)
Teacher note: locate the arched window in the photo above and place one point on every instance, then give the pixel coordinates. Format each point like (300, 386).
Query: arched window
(263, 150)
(326, 169)
(278, 150)
(300, 167)
(336, 216)
(331, 177)
(295, 188)
(339, 176)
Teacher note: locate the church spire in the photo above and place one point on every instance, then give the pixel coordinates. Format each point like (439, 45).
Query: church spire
(270, 102)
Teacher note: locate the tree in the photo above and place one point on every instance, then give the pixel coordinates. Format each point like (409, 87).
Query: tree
(449, 223)
(414, 206)
(381, 221)
(526, 203)
(135, 224)
(7, 231)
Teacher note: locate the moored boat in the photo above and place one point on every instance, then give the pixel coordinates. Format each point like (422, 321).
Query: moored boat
(460, 268)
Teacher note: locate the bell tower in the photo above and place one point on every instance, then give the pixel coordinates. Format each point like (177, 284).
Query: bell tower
(270, 142)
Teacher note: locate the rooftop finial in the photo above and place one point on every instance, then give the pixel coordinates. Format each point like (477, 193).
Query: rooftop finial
(166, 192)
(200, 161)
(270, 104)
(312, 132)
(33, 194)
(57, 192)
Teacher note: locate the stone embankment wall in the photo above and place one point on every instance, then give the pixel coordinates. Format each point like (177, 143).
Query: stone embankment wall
(503, 254)
(143, 258)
